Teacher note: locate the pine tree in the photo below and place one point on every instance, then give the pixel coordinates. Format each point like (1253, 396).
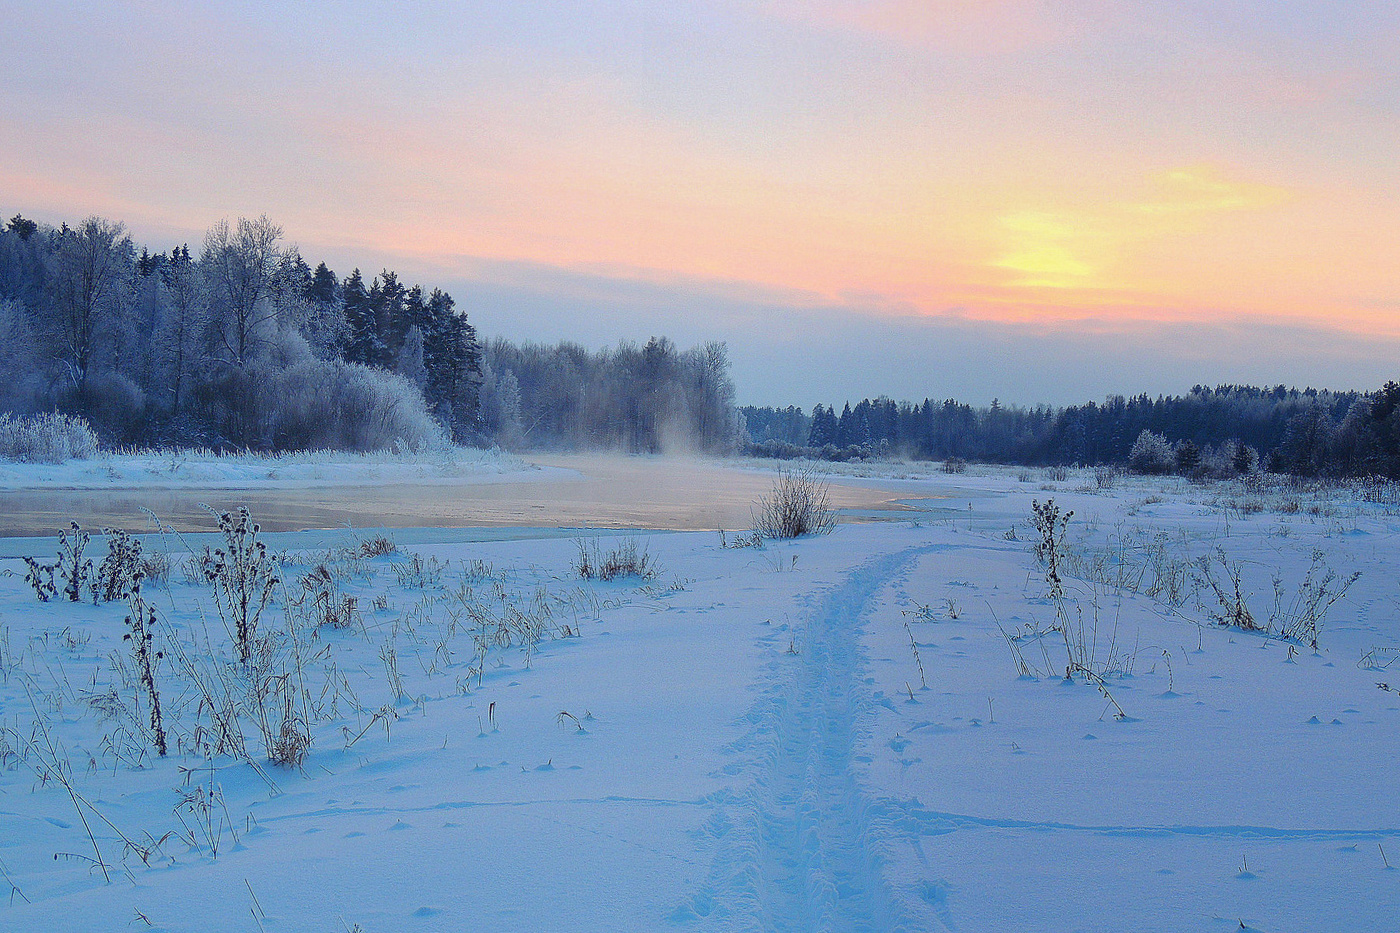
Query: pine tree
(22, 227)
(386, 300)
(358, 313)
(323, 286)
(452, 360)
(824, 427)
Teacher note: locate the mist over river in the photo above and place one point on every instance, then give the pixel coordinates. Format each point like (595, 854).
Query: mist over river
(569, 491)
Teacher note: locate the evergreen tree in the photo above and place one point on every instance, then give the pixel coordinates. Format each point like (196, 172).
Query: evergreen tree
(386, 301)
(22, 227)
(360, 346)
(323, 287)
(824, 427)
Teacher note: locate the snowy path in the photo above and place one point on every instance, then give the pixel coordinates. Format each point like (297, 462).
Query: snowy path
(810, 852)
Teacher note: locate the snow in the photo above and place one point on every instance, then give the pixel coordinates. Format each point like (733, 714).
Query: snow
(746, 741)
(178, 469)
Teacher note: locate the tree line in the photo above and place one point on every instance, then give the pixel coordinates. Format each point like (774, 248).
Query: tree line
(654, 398)
(242, 344)
(1306, 432)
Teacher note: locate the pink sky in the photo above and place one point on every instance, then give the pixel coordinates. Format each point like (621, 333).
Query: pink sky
(1064, 170)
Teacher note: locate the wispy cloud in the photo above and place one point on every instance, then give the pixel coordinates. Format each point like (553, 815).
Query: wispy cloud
(1091, 245)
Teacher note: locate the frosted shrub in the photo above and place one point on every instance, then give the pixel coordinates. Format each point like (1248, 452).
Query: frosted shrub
(72, 568)
(347, 406)
(1151, 454)
(141, 630)
(1301, 618)
(287, 399)
(119, 573)
(46, 438)
(1049, 550)
(1233, 611)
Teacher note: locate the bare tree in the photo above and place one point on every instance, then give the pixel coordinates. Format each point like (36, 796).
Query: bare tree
(94, 261)
(183, 323)
(712, 398)
(239, 266)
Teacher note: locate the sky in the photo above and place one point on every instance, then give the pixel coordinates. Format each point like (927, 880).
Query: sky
(1031, 200)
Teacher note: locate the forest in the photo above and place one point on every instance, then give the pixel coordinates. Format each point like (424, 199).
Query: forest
(243, 345)
(1222, 430)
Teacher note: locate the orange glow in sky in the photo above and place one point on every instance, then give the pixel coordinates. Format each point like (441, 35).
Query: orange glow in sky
(1098, 162)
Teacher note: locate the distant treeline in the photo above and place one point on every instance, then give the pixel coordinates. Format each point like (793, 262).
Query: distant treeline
(1308, 432)
(243, 345)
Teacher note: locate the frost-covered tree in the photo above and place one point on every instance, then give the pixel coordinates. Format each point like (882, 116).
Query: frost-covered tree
(21, 380)
(647, 398)
(410, 364)
(240, 266)
(500, 408)
(1151, 453)
(310, 302)
(711, 395)
(181, 327)
(1307, 442)
(94, 265)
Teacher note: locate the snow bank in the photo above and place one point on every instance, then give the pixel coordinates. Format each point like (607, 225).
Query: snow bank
(184, 469)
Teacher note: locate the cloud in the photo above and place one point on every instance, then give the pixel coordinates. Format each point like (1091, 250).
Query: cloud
(1092, 244)
(1204, 189)
(1052, 164)
(1043, 250)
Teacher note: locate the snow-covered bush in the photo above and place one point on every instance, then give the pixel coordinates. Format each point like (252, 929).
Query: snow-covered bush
(346, 406)
(46, 438)
(288, 399)
(1151, 454)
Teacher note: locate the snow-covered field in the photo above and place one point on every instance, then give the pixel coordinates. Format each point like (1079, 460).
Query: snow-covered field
(870, 730)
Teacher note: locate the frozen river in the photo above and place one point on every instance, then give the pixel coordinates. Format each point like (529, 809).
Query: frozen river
(560, 491)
